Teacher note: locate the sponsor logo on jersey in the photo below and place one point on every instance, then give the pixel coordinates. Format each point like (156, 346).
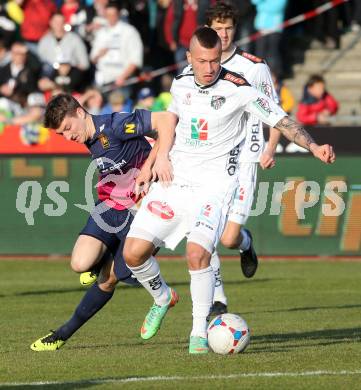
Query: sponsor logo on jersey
(206, 211)
(251, 57)
(205, 217)
(129, 128)
(255, 138)
(114, 167)
(203, 91)
(266, 89)
(199, 129)
(160, 209)
(100, 163)
(187, 99)
(234, 79)
(263, 105)
(206, 225)
(217, 102)
(233, 160)
(104, 141)
(241, 194)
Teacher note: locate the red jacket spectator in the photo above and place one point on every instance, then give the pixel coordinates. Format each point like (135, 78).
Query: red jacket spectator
(180, 22)
(37, 14)
(317, 105)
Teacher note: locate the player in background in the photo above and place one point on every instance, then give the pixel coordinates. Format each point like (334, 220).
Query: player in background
(196, 185)
(222, 17)
(122, 154)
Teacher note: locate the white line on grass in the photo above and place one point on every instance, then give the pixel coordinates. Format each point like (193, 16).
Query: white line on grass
(187, 378)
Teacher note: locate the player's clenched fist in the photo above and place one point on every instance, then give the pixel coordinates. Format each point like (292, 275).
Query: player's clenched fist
(325, 153)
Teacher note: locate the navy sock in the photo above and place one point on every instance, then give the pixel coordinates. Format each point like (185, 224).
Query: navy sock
(92, 302)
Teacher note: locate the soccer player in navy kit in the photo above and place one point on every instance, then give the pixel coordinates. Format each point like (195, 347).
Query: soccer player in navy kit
(122, 154)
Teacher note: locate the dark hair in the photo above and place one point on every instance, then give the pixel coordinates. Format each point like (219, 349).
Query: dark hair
(207, 37)
(58, 107)
(315, 78)
(113, 4)
(220, 12)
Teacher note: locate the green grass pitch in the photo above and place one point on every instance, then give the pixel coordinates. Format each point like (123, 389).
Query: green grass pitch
(304, 317)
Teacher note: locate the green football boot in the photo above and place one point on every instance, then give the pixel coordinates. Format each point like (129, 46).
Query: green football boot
(154, 318)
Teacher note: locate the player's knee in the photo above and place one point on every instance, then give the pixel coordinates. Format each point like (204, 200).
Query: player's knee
(79, 264)
(132, 253)
(197, 258)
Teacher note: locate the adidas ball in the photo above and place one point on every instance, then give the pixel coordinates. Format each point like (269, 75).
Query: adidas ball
(228, 333)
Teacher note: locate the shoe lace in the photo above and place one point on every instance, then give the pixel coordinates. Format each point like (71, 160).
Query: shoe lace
(51, 338)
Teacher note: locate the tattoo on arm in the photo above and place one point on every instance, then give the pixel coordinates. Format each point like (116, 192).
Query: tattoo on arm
(294, 132)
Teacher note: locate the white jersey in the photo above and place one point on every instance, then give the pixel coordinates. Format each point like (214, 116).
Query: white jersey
(209, 133)
(257, 73)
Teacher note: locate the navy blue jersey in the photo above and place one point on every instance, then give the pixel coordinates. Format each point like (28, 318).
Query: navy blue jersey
(119, 149)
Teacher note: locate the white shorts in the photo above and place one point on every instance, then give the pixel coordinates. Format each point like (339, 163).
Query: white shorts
(167, 215)
(243, 199)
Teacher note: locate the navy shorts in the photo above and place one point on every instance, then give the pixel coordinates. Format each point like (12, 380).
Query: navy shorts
(114, 241)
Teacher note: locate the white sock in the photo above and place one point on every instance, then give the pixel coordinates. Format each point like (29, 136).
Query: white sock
(148, 274)
(219, 295)
(202, 289)
(246, 241)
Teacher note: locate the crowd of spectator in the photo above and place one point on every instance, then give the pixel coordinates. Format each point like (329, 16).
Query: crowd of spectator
(91, 48)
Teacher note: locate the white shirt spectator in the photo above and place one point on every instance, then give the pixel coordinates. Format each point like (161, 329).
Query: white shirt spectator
(52, 50)
(124, 47)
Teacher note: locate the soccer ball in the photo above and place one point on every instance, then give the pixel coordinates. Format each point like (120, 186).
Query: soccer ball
(228, 333)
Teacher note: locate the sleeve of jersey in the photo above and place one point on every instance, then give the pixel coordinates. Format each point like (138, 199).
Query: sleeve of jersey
(136, 124)
(173, 105)
(264, 108)
(260, 77)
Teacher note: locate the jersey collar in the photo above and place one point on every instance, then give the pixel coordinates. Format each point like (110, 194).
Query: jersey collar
(231, 56)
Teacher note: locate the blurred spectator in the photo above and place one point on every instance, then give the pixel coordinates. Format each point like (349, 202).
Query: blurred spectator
(37, 14)
(246, 13)
(92, 101)
(19, 77)
(8, 25)
(91, 19)
(117, 103)
(180, 23)
(270, 13)
(30, 111)
(164, 99)
(317, 105)
(117, 50)
(15, 11)
(4, 53)
(145, 99)
(70, 9)
(58, 44)
(287, 101)
(64, 76)
(324, 27)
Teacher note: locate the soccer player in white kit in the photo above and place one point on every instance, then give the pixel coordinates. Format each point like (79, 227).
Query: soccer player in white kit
(222, 17)
(195, 188)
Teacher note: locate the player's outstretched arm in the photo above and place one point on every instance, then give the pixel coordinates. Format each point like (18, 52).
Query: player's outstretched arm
(164, 123)
(294, 131)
